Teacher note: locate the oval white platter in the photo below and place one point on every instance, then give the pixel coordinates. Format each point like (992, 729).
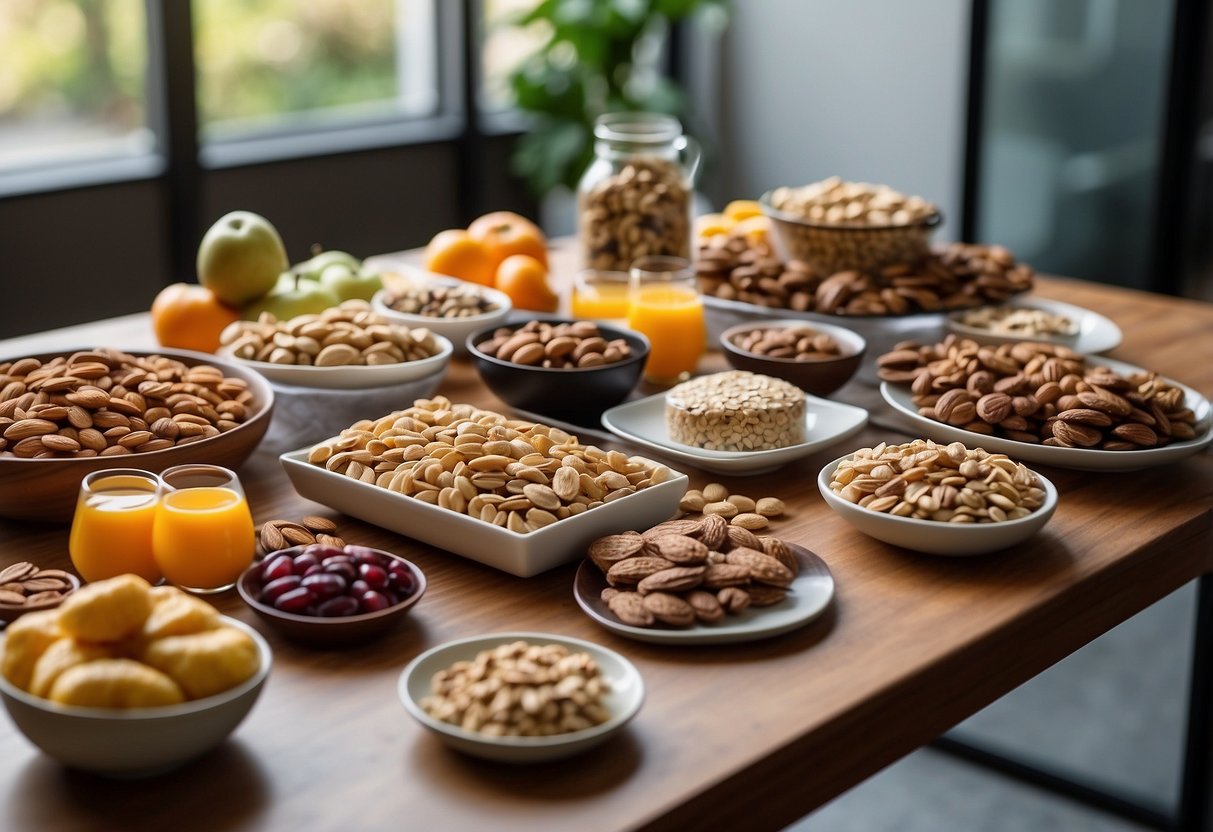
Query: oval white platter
(1082, 459)
(1095, 332)
(808, 597)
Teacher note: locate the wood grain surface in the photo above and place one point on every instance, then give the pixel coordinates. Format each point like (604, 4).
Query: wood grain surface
(744, 736)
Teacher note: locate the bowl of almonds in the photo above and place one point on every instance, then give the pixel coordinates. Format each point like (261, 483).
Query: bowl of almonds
(563, 369)
(448, 306)
(25, 587)
(64, 415)
(346, 347)
(939, 499)
(817, 358)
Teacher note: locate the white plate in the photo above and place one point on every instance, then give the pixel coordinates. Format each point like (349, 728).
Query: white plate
(933, 537)
(523, 555)
(1095, 332)
(808, 597)
(643, 422)
(1081, 459)
(623, 701)
(350, 377)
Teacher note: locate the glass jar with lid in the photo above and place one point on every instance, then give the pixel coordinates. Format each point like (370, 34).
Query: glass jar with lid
(634, 200)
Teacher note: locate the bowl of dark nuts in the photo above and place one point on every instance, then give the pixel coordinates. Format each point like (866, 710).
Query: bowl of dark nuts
(327, 596)
(816, 357)
(571, 370)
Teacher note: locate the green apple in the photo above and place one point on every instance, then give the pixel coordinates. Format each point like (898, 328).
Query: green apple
(292, 296)
(312, 269)
(240, 258)
(349, 283)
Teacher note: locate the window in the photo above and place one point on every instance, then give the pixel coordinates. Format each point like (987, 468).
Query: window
(505, 48)
(268, 67)
(72, 82)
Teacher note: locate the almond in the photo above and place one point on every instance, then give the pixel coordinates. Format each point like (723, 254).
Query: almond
(770, 507)
(606, 551)
(738, 536)
(750, 520)
(669, 609)
(316, 524)
(720, 575)
(688, 527)
(297, 537)
(762, 566)
(271, 538)
(674, 579)
(12, 599)
(713, 531)
(762, 595)
(629, 607)
(17, 572)
(25, 428)
(633, 570)
(706, 606)
(733, 599)
(779, 550)
(680, 549)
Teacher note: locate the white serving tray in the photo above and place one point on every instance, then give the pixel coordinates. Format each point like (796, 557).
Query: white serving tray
(523, 555)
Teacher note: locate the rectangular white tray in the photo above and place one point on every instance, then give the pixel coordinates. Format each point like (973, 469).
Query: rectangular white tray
(523, 555)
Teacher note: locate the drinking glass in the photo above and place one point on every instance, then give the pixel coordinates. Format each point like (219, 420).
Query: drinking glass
(203, 535)
(112, 527)
(601, 295)
(665, 305)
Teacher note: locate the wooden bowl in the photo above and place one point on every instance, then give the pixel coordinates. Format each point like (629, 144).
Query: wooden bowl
(46, 489)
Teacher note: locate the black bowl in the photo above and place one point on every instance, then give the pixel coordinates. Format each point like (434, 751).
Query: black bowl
(574, 395)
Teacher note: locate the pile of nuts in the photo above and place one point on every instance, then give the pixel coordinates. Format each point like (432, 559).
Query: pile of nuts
(694, 569)
(567, 346)
(944, 483)
(956, 276)
(836, 202)
(25, 585)
(277, 535)
(738, 509)
(104, 403)
(1039, 393)
(512, 473)
(643, 209)
(521, 690)
(456, 300)
(346, 335)
(1024, 321)
(735, 411)
(794, 343)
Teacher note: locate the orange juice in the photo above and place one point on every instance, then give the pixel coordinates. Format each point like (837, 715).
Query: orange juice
(112, 529)
(601, 301)
(203, 537)
(672, 318)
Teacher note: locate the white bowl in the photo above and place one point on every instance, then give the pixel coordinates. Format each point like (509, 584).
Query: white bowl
(519, 554)
(138, 742)
(932, 536)
(455, 329)
(1094, 334)
(623, 700)
(351, 377)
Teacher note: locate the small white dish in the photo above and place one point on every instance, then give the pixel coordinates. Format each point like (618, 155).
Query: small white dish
(1080, 459)
(351, 377)
(523, 555)
(138, 742)
(1095, 333)
(454, 329)
(643, 422)
(934, 537)
(623, 701)
(808, 597)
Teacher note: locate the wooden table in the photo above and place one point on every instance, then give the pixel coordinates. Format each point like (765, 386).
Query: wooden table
(749, 736)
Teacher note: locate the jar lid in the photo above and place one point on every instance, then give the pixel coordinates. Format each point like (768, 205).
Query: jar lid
(637, 128)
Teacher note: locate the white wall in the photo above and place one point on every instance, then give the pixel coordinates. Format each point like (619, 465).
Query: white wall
(871, 90)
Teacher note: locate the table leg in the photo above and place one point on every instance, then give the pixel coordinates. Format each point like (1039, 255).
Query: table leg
(1196, 786)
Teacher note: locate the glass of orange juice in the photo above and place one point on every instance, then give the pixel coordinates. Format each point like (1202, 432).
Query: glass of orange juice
(665, 305)
(202, 537)
(112, 527)
(601, 295)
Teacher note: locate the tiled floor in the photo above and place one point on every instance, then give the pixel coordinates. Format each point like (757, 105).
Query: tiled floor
(1113, 710)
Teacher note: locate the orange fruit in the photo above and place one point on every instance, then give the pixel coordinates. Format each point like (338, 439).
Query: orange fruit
(455, 253)
(525, 280)
(504, 233)
(187, 316)
(709, 225)
(742, 209)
